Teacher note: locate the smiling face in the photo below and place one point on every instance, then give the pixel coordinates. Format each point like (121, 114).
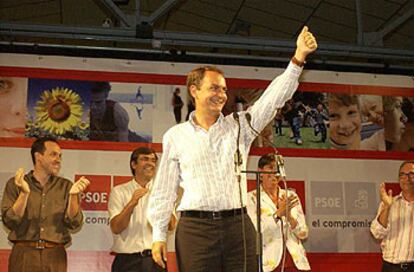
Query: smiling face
(50, 161)
(269, 181)
(13, 96)
(144, 167)
(406, 178)
(345, 124)
(371, 107)
(210, 97)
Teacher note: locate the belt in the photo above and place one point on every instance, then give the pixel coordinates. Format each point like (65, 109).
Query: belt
(213, 215)
(40, 244)
(142, 254)
(402, 266)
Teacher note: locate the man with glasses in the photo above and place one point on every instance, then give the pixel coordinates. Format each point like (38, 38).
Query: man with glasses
(394, 224)
(128, 215)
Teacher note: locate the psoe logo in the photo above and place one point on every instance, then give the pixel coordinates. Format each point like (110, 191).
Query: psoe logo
(96, 196)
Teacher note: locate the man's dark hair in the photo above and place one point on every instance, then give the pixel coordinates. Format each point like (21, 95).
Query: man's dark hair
(39, 146)
(140, 151)
(197, 75)
(100, 86)
(405, 163)
(266, 160)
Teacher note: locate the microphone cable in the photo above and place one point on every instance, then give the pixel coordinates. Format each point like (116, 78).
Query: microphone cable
(238, 161)
(280, 164)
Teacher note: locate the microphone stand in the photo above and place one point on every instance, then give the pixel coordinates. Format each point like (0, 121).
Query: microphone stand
(281, 170)
(259, 235)
(238, 161)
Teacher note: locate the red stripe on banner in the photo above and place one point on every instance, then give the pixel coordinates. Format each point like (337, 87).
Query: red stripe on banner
(92, 75)
(254, 151)
(101, 261)
(82, 145)
(181, 80)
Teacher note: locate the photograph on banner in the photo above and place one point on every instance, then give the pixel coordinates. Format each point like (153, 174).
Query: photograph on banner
(58, 108)
(300, 123)
(121, 112)
(13, 106)
(340, 216)
(356, 122)
(372, 122)
(177, 104)
(399, 123)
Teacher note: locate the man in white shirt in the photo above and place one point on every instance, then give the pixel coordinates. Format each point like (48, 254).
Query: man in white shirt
(128, 221)
(394, 223)
(214, 232)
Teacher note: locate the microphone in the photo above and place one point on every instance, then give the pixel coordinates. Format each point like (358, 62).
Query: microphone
(238, 160)
(279, 158)
(281, 165)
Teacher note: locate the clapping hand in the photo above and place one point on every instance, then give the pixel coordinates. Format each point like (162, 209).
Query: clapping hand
(386, 198)
(79, 186)
(293, 201)
(20, 182)
(137, 195)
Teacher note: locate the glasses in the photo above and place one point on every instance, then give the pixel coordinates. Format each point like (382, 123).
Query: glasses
(409, 175)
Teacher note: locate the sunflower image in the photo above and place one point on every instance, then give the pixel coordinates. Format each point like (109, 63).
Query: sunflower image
(59, 111)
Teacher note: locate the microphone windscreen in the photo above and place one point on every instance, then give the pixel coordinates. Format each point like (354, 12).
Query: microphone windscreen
(248, 117)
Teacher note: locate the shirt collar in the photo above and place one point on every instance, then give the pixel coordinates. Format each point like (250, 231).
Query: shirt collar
(195, 126)
(401, 197)
(35, 182)
(136, 185)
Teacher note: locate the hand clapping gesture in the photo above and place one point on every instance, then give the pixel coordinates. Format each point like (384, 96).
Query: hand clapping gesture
(20, 182)
(79, 186)
(137, 195)
(281, 209)
(386, 198)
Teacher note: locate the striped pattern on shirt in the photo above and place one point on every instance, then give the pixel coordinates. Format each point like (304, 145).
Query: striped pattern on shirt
(202, 161)
(397, 243)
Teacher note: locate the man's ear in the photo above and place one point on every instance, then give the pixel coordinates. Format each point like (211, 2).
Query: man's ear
(134, 165)
(193, 91)
(37, 156)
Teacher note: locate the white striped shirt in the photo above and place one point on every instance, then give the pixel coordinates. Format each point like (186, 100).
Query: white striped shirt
(202, 162)
(397, 243)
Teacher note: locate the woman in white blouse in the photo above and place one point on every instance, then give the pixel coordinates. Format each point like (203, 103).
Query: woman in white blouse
(273, 215)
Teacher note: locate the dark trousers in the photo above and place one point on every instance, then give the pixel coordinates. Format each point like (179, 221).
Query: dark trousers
(215, 245)
(29, 259)
(177, 114)
(135, 263)
(295, 126)
(389, 267)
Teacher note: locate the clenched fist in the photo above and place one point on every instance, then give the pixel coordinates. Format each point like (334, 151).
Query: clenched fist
(305, 44)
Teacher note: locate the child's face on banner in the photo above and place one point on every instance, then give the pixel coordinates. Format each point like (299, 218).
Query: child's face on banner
(344, 124)
(13, 97)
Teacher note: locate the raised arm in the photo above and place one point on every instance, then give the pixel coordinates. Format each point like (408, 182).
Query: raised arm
(283, 87)
(14, 201)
